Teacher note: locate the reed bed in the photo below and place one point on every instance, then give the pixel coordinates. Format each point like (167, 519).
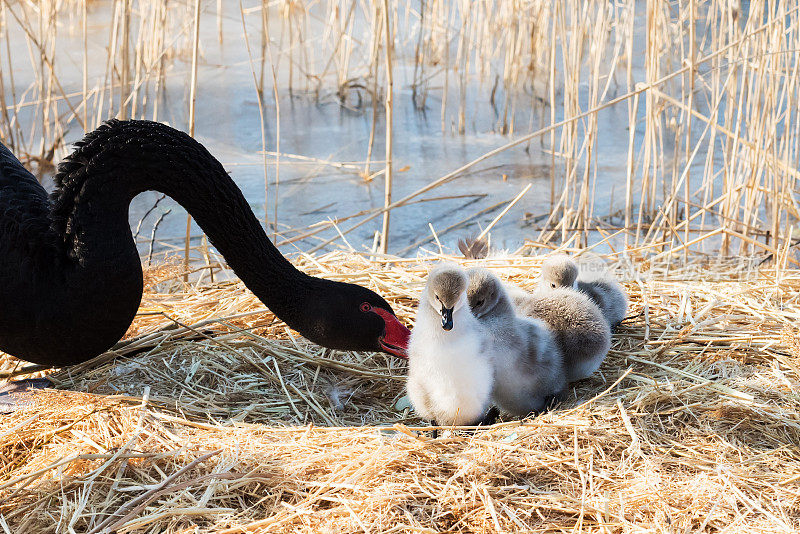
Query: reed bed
(213, 416)
(707, 91)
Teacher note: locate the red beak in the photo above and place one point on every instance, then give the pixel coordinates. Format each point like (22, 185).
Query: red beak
(395, 336)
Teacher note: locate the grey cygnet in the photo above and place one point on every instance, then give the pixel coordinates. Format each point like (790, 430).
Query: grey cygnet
(581, 331)
(600, 286)
(529, 370)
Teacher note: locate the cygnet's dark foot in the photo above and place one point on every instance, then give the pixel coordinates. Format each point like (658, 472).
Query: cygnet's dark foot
(487, 420)
(551, 401)
(559, 398)
(490, 418)
(13, 394)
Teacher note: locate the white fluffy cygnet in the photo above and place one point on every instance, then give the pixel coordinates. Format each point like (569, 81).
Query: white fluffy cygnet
(528, 365)
(450, 371)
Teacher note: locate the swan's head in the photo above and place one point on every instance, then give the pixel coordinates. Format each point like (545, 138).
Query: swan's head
(351, 317)
(484, 291)
(445, 291)
(559, 271)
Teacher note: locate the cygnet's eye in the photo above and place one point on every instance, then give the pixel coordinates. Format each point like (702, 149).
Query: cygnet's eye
(365, 307)
(553, 285)
(437, 298)
(479, 303)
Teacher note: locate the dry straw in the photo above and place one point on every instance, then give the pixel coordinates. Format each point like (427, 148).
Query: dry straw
(211, 415)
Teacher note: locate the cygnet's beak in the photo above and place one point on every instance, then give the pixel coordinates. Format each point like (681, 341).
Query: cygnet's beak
(395, 336)
(447, 318)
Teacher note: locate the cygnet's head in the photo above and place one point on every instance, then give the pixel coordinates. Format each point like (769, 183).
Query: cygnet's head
(559, 271)
(445, 291)
(483, 291)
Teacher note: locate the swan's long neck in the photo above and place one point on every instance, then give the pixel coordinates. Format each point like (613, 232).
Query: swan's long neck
(120, 160)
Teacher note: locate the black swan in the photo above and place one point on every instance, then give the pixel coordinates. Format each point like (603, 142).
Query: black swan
(70, 274)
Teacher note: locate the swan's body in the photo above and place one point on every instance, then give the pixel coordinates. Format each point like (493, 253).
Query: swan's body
(528, 365)
(596, 282)
(70, 275)
(450, 372)
(580, 330)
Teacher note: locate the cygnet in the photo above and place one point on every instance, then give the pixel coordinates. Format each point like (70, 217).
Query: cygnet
(450, 370)
(580, 330)
(597, 283)
(528, 366)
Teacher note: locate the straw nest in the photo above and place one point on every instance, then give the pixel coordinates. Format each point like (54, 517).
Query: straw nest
(212, 416)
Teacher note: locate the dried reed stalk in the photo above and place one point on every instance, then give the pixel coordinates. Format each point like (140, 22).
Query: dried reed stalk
(388, 106)
(192, 102)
